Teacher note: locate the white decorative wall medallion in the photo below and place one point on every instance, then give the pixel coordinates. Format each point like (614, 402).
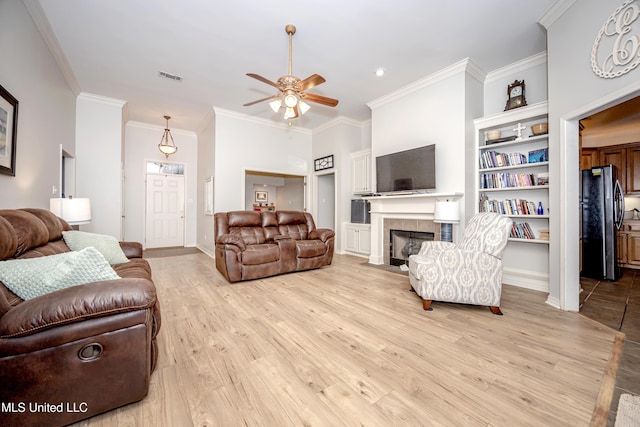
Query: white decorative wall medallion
(616, 50)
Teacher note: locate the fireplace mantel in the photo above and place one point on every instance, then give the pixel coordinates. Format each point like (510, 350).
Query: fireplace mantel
(406, 206)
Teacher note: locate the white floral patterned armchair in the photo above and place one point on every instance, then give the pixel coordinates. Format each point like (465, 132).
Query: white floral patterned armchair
(469, 272)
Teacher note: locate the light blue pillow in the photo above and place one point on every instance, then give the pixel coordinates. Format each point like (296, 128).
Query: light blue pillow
(31, 277)
(106, 245)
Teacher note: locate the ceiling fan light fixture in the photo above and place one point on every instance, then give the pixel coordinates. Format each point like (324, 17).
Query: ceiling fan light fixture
(290, 100)
(303, 106)
(275, 105)
(167, 147)
(289, 113)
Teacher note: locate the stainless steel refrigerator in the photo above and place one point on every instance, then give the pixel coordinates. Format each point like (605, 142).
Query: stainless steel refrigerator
(602, 214)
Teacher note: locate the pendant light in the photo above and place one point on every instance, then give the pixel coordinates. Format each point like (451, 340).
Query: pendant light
(165, 146)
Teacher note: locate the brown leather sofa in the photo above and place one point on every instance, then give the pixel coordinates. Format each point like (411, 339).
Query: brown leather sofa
(251, 245)
(80, 351)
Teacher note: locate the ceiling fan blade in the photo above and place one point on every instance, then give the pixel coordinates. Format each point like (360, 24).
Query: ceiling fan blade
(309, 82)
(319, 99)
(263, 80)
(260, 100)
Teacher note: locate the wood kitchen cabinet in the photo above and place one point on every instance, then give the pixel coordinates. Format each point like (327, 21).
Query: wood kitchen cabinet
(633, 170)
(617, 156)
(625, 157)
(629, 244)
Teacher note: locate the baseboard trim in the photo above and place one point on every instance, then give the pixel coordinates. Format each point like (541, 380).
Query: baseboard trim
(206, 251)
(526, 279)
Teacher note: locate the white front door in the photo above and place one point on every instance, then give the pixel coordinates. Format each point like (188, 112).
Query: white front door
(165, 211)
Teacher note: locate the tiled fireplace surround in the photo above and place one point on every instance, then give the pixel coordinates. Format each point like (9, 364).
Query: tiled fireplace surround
(412, 212)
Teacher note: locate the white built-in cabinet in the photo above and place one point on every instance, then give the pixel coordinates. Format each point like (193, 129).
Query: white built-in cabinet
(357, 238)
(361, 172)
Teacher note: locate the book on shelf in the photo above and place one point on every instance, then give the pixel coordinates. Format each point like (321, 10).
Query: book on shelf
(543, 178)
(537, 156)
(521, 230)
(493, 159)
(507, 206)
(507, 180)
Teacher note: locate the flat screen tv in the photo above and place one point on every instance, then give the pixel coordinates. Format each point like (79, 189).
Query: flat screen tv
(410, 170)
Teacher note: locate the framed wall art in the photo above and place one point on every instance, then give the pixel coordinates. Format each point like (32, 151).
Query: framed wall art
(8, 132)
(261, 196)
(323, 163)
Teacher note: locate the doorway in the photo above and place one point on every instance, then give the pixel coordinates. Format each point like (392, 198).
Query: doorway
(164, 217)
(326, 204)
(274, 191)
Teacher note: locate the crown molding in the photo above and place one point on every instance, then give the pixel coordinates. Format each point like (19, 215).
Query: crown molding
(517, 67)
(342, 121)
(102, 99)
(258, 120)
(555, 12)
(43, 26)
(465, 65)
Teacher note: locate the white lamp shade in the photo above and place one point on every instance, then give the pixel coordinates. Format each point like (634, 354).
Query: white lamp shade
(447, 212)
(275, 105)
(74, 211)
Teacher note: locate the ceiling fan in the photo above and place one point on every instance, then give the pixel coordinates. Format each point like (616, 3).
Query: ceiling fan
(292, 89)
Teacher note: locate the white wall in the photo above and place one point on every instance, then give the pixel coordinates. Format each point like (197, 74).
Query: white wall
(99, 159)
(206, 169)
(434, 111)
(243, 143)
(340, 138)
(575, 91)
(46, 110)
(141, 145)
(532, 70)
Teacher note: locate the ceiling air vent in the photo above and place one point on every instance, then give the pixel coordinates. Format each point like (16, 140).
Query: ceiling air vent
(169, 76)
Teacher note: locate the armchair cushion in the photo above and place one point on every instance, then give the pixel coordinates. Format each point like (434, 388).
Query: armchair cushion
(32, 277)
(106, 245)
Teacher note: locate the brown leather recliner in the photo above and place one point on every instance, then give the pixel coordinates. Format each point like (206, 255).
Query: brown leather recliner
(79, 351)
(252, 245)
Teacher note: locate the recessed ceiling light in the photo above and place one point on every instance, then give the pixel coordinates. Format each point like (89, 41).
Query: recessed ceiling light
(380, 72)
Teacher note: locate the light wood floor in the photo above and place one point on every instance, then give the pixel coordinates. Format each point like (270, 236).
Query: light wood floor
(349, 345)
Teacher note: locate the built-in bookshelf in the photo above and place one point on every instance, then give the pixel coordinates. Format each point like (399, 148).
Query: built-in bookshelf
(512, 178)
(513, 171)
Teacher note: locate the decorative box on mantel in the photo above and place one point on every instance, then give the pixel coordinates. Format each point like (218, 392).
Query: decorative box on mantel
(410, 207)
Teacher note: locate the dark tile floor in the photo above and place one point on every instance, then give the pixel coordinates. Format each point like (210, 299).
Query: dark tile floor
(617, 305)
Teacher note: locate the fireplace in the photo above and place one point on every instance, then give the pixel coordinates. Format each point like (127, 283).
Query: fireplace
(405, 243)
(403, 237)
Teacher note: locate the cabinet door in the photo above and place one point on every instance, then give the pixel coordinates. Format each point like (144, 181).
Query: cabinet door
(621, 247)
(364, 241)
(633, 170)
(633, 248)
(588, 158)
(351, 239)
(616, 157)
(360, 180)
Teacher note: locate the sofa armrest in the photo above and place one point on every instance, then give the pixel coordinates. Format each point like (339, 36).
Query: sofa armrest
(76, 304)
(131, 249)
(323, 234)
(232, 239)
